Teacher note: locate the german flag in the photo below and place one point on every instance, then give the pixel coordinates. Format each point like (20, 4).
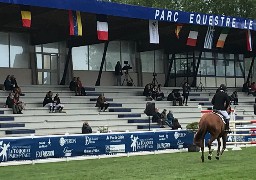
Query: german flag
(26, 18)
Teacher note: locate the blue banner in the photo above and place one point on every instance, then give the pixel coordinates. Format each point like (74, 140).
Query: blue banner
(32, 148)
(139, 12)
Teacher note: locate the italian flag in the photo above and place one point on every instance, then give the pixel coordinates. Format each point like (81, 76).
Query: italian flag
(249, 40)
(222, 38)
(192, 37)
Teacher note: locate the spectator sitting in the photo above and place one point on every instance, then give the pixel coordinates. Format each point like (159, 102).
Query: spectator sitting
(10, 103)
(147, 91)
(58, 104)
(157, 117)
(253, 88)
(48, 102)
(154, 92)
(170, 118)
(234, 98)
(160, 94)
(175, 96)
(80, 88)
(246, 87)
(86, 129)
(163, 118)
(16, 89)
(8, 86)
(176, 124)
(19, 104)
(102, 103)
(73, 85)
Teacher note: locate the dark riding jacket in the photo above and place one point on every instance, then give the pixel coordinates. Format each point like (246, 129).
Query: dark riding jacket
(220, 101)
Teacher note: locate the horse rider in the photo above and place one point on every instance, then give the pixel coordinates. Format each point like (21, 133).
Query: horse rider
(221, 103)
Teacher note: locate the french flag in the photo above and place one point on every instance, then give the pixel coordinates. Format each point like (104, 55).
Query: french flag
(249, 40)
(102, 28)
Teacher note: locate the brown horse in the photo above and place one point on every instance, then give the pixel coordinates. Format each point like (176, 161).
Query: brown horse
(212, 123)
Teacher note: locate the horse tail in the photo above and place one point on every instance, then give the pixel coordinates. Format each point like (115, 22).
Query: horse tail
(199, 136)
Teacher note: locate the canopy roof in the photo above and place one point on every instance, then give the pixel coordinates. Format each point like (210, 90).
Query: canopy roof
(126, 22)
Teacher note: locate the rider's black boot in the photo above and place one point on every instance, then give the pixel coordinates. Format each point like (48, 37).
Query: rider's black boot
(227, 129)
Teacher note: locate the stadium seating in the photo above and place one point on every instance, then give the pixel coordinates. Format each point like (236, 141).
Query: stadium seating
(126, 110)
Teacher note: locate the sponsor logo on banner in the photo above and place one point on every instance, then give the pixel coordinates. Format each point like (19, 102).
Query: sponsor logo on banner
(179, 135)
(90, 140)
(252, 139)
(180, 144)
(63, 141)
(17, 152)
(67, 152)
(163, 145)
(163, 137)
(44, 144)
(92, 150)
(120, 148)
(3, 150)
(44, 154)
(141, 144)
(115, 138)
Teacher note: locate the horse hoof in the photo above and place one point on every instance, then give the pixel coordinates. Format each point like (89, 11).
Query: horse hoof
(210, 157)
(217, 157)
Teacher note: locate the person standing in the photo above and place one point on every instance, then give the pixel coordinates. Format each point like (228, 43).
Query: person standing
(186, 88)
(118, 73)
(221, 102)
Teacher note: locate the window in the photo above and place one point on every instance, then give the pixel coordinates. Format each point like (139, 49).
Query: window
(19, 50)
(95, 56)
(147, 61)
(220, 68)
(113, 55)
(51, 48)
(207, 67)
(4, 49)
(80, 58)
(128, 53)
(159, 61)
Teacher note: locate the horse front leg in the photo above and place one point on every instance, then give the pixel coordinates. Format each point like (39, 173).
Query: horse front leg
(218, 150)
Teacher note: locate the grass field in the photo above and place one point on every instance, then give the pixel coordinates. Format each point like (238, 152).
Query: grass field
(232, 165)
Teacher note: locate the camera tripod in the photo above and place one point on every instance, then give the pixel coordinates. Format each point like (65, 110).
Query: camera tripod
(127, 79)
(154, 80)
(200, 85)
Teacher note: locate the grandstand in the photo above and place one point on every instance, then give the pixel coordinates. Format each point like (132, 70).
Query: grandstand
(126, 111)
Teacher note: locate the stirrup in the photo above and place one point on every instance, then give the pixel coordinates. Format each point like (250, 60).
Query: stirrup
(228, 130)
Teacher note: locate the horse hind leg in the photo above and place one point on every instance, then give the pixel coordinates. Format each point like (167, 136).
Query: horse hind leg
(209, 147)
(218, 151)
(202, 151)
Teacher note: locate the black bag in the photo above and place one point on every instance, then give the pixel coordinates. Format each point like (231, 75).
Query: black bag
(254, 107)
(150, 109)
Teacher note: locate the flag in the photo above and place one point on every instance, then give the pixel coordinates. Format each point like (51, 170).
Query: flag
(222, 38)
(249, 40)
(177, 30)
(102, 28)
(26, 18)
(153, 32)
(192, 37)
(75, 23)
(209, 38)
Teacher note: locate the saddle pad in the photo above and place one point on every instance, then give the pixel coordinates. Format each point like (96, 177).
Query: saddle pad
(221, 116)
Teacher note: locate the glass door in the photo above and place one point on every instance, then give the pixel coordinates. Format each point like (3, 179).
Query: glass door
(48, 69)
